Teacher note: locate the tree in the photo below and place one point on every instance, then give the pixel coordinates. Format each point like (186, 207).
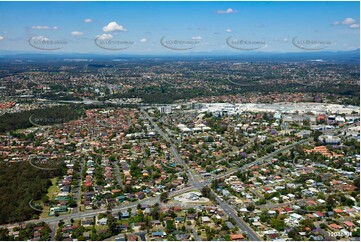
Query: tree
(261, 201)
(191, 210)
(357, 182)
(23, 183)
(349, 202)
(81, 238)
(4, 234)
(164, 197)
(263, 217)
(323, 226)
(251, 207)
(45, 199)
(112, 225)
(331, 200)
(316, 134)
(93, 235)
(72, 203)
(308, 223)
(170, 227)
(206, 191)
(278, 223)
(356, 233)
(293, 233)
(155, 211)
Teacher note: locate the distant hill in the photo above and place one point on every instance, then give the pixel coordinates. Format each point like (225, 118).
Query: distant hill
(319, 56)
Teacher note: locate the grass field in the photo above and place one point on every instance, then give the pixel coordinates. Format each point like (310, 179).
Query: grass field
(52, 191)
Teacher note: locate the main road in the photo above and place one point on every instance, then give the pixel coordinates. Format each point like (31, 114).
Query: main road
(123, 207)
(270, 155)
(194, 181)
(264, 158)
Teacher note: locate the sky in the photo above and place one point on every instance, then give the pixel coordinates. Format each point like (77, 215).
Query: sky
(171, 27)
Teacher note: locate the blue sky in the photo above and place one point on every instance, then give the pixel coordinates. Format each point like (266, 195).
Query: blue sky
(267, 26)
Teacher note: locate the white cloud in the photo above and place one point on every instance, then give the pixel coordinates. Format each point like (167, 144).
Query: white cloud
(40, 27)
(1, 38)
(44, 27)
(113, 27)
(197, 38)
(143, 40)
(88, 20)
(228, 11)
(352, 23)
(76, 33)
(104, 36)
(40, 38)
(354, 26)
(228, 30)
(348, 21)
(285, 40)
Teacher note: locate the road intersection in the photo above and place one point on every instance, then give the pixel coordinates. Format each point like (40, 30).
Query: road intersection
(193, 181)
